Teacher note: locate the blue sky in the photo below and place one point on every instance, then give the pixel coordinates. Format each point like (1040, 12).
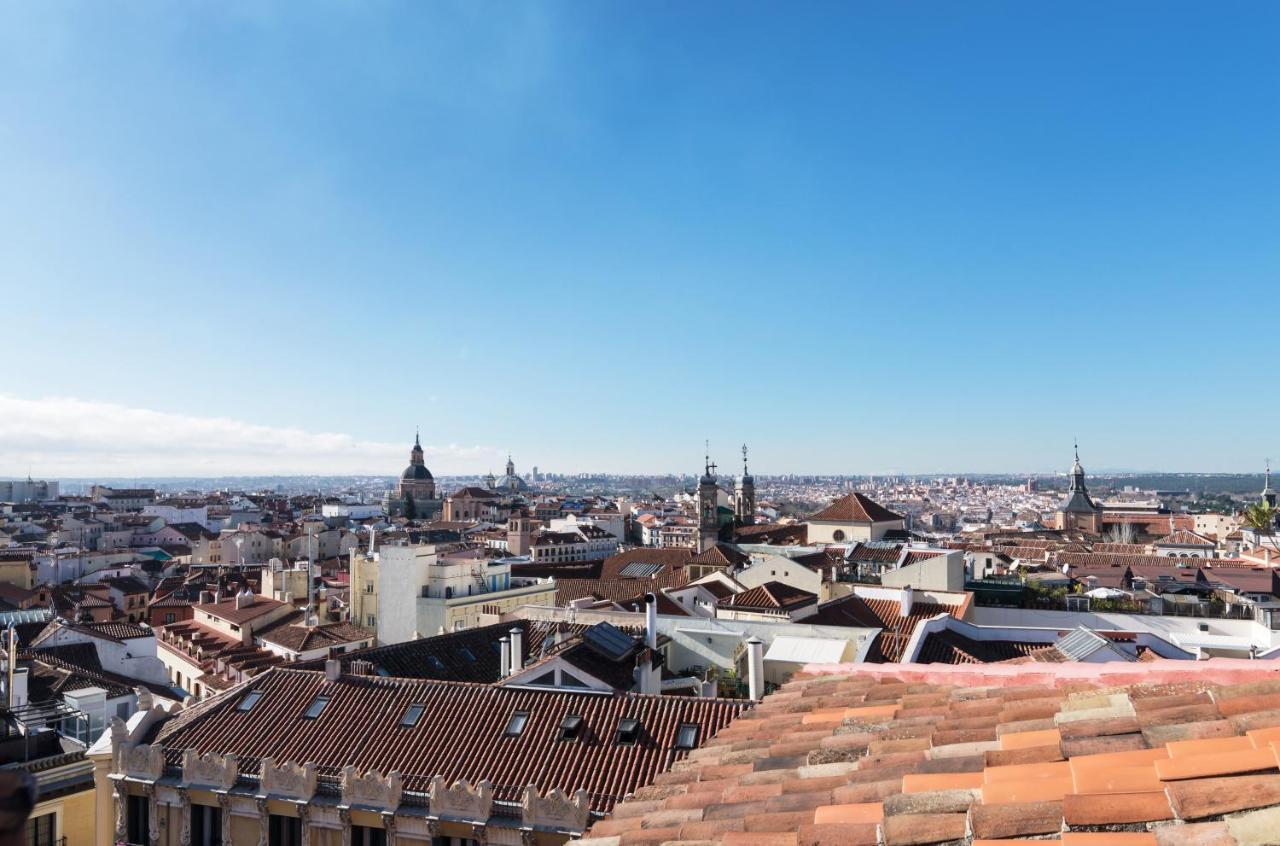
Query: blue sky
(863, 237)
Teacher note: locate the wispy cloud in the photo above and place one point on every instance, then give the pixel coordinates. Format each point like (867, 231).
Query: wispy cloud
(67, 437)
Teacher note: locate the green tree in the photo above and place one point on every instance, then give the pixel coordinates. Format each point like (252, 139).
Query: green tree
(1260, 517)
(410, 508)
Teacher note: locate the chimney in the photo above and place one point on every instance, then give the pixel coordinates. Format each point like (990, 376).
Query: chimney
(908, 599)
(755, 668)
(332, 670)
(648, 676)
(373, 534)
(651, 621)
(206, 597)
(517, 648)
(504, 657)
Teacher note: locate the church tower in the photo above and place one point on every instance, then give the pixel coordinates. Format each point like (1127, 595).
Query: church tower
(708, 516)
(744, 495)
(1078, 512)
(1268, 495)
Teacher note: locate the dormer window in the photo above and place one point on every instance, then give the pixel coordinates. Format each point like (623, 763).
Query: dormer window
(628, 732)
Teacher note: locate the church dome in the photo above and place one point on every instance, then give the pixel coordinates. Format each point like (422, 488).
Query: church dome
(415, 472)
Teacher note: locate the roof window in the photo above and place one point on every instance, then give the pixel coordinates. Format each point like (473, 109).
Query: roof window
(316, 708)
(628, 732)
(412, 715)
(250, 699)
(569, 727)
(515, 726)
(687, 736)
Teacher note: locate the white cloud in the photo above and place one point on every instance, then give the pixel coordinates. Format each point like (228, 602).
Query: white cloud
(67, 437)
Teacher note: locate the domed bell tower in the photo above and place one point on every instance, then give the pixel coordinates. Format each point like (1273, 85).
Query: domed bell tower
(744, 495)
(708, 517)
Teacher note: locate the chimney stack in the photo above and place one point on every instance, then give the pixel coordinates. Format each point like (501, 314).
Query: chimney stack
(332, 669)
(908, 599)
(504, 657)
(755, 668)
(517, 649)
(651, 621)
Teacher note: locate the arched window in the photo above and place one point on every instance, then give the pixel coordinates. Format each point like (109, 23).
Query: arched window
(838, 535)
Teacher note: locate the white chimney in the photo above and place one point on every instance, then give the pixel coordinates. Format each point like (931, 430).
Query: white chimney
(517, 649)
(650, 677)
(332, 669)
(373, 533)
(908, 599)
(755, 668)
(504, 657)
(651, 621)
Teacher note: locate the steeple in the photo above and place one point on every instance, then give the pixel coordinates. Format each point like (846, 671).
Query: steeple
(415, 454)
(744, 494)
(708, 506)
(1268, 495)
(511, 466)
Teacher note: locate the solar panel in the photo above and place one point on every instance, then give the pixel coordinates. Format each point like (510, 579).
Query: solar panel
(609, 641)
(1080, 644)
(639, 570)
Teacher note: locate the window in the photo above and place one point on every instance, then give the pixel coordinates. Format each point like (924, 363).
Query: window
(412, 715)
(316, 708)
(250, 699)
(370, 621)
(837, 535)
(516, 724)
(170, 617)
(687, 736)
(122, 710)
(40, 830)
(467, 654)
(284, 831)
(364, 836)
(569, 727)
(628, 732)
(140, 819)
(206, 826)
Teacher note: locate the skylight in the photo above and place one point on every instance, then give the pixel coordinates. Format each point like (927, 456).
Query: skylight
(250, 699)
(687, 736)
(516, 724)
(316, 707)
(412, 715)
(569, 727)
(628, 732)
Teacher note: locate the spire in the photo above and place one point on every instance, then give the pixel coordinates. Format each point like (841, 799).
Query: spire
(416, 442)
(1077, 445)
(745, 472)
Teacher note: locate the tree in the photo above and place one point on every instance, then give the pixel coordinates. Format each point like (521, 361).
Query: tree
(1121, 533)
(1259, 517)
(410, 508)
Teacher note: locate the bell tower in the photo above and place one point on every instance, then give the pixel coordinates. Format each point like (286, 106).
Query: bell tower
(708, 517)
(744, 495)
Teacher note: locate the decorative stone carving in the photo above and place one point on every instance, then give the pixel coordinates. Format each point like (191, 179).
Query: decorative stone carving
(344, 820)
(264, 821)
(555, 811)
(122, 811)
(119, 742)
(144, 697)
(389, 824)
(371, 789)
(184, 802)
(153, 815)
(145, 762)
(224, 802)
(210, 770)
(289, 780)
(461, 801)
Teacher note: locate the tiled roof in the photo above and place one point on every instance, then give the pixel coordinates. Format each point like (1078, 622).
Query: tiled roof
(461, 734)
(470, 655)
(669, 559)
(307, 638)
(886, 614)
(948, 647)
(227, 610)
(856, 508)
(1152, 754)
(721, 555)
(617, 590)
(770, 595)
(1183, 537)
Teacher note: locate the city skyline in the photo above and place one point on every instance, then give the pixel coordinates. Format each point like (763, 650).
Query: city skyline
(863, 238)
